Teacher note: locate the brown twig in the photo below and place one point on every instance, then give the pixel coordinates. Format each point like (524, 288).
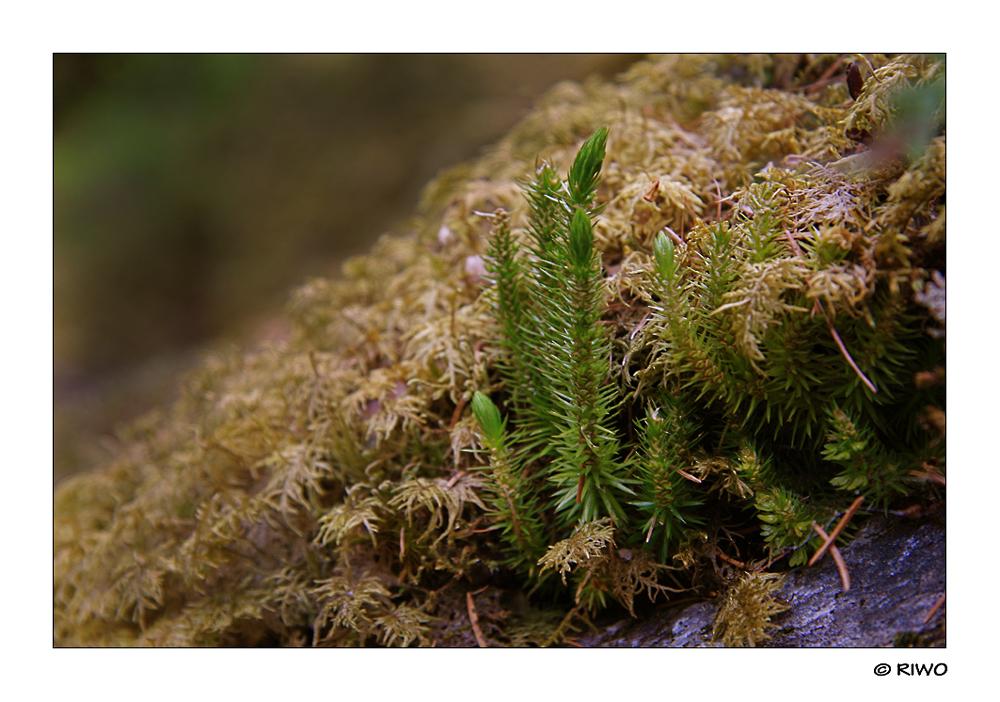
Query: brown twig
(640, 325)
(730, 561)
(772, 560)
(830, 75)
(457, 414)
(685, 474)
(474, 618)
(455, 478)
(794, 244)
(650, 195)
(486, 530)
(843, 349)
(513, 512)
(929, 474)
(845, 577)
(674, 236)
(935, 608)
(837, 529)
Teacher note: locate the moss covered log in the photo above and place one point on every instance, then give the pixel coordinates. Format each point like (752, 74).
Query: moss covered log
(645, 345)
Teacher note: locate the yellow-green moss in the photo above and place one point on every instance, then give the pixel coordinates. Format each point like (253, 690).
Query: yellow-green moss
(329, 489)
(749, 604)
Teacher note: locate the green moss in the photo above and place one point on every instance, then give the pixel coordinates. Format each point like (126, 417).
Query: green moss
(697, 335)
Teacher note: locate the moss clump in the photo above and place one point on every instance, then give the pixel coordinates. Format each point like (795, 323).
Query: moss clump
(443, 453)
(744, 619)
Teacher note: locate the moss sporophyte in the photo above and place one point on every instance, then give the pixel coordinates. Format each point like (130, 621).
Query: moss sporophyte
(709, 323)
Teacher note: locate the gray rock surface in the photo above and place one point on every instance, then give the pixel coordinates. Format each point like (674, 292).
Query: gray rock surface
(897, 571)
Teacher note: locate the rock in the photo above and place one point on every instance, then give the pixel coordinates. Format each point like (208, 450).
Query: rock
(897, 573)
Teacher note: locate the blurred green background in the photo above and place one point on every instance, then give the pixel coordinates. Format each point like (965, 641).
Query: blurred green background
(192, 192)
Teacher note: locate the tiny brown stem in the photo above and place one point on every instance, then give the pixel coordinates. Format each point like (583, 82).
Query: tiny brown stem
(513, 512)
(935, 608)
(455, 478)
(674, 235)
(650, 195)
(474, 618)
(794, 244)
(843, 349)
(640, 325)
(685, 474)
(457, 414)
(730, 561)
(845, 577)
(837, 529)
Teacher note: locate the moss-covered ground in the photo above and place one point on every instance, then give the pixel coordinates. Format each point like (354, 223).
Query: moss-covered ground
(769, 244)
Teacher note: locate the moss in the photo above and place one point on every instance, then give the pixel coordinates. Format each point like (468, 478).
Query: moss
(749, 605)
(755, 317)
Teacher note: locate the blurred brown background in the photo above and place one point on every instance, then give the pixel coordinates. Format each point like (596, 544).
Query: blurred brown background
(193, 191)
